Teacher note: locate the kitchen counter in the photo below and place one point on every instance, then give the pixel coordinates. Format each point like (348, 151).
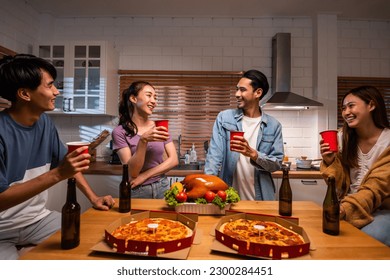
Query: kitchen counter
(103, 168)
(299, 174)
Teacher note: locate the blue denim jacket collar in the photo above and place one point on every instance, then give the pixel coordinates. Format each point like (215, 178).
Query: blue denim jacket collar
(264, 121)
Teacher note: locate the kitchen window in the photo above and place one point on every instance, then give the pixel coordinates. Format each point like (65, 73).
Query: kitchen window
(344, 84)
(190, 100)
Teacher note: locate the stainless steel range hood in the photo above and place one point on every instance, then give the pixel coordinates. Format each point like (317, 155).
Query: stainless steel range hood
(282, 96)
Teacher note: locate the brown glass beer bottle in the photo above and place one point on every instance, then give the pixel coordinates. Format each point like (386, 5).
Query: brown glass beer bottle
(125, 191)
(285, 194)
(331, 209)
(70, 220)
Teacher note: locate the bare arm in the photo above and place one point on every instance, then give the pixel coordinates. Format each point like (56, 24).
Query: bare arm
(136, 161)
(98, 202)
(19, 192)
(170, 162)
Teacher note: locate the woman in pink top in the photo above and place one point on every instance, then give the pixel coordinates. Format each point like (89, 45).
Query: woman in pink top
(147, 149)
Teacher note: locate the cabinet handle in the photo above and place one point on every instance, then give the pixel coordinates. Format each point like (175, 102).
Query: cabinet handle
(309, 182)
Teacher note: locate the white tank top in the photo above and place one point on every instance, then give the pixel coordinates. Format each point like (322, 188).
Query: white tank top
(365, 161)
(243, 179)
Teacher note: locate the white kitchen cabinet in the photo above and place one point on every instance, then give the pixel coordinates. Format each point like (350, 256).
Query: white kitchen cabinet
(101, 185)
(105, 184)
(57, 197)
(87, 76)
(56, 55)
(304, 189)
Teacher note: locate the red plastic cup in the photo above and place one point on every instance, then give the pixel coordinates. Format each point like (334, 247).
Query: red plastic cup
(74, 145)
(235, 133)
(163, 123)
(330, 137)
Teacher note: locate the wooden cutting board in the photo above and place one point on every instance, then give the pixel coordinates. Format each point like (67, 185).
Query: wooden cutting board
(99, 139)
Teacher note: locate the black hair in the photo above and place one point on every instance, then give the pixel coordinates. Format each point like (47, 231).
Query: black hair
(22, 71)
(126, 108)
(367, 94)
(258, 80)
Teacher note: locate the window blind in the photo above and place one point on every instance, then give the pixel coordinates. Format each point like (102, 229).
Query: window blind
(189, 100)
(345, 84)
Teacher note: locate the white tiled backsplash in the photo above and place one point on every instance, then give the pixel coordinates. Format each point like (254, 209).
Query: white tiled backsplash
(300, 131)
(85, 128)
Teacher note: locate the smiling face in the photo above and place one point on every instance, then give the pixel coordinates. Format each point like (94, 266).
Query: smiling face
(246, 96)
(145, 101)
(356, 112)
(44, 96)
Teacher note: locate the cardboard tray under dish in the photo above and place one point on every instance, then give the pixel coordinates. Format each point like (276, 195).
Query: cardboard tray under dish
(201, 209)
(262, 250)
(177, 249)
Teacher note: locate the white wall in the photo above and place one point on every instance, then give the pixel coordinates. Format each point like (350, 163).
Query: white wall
(19, 26)
(224, 44)
(364, 48)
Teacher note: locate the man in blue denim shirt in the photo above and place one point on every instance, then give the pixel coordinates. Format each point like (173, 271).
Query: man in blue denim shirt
(248, 163)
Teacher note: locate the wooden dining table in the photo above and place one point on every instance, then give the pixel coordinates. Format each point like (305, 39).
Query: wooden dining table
(350, 244)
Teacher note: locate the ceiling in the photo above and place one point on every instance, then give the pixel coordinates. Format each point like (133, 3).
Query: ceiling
(344, 9)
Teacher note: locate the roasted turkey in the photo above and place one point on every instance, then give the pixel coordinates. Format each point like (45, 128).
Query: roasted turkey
(196, 185)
